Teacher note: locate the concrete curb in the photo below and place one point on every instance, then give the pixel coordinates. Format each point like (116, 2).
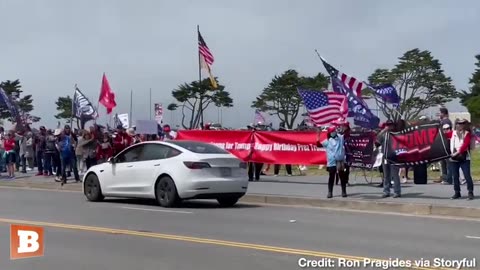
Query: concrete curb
(371, 206)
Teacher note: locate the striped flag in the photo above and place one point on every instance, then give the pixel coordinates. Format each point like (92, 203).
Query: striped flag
(158, 113)
(206, 59)
(324, 107)
(353, 83)
(82, 107)
(204, 50)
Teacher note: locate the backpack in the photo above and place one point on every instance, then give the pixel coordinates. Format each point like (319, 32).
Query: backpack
(67, 146)
(50, 145)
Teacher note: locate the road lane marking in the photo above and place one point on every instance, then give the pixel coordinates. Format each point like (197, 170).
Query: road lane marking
(157, 210)
(198, 240)
(472, 237)
(289, 206)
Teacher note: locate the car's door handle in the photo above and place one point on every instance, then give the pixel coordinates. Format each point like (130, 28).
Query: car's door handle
(129, 166)
(156, 165)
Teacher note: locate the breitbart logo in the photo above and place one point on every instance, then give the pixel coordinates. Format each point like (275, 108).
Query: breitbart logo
(26, 241)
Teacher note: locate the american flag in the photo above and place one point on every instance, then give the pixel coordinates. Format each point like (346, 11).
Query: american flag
(353, 83)
(259, 118)
(206, 59)
(204, 50)
(324, 107)
(158, 113)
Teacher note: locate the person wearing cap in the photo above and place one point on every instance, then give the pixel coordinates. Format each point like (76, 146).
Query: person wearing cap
(335, 147)
(121, 140)
(254, 168)
(51, 154)
(67, 154)
(343, 128)
(460, 146)
(276, 167)
(40, 149)
(168, 133)
(380, 141)
(390, 172)
(446, 164)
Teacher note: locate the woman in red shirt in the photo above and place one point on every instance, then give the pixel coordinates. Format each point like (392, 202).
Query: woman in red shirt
(10, 155)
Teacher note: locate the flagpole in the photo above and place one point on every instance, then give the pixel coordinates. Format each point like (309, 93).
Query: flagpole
(73, 104)
(199, 73)
(318, 54)
(150, 103)
(131, 109)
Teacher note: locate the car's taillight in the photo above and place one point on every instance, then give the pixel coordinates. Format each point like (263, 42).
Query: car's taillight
(242, 165)
(196, 165)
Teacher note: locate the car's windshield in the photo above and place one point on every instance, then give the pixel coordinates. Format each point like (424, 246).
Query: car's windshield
(200, 147)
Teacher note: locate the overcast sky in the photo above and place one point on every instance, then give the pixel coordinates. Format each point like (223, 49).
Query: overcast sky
(52, 44)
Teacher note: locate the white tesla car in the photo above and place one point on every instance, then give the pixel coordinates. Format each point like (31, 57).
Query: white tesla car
(169, 172)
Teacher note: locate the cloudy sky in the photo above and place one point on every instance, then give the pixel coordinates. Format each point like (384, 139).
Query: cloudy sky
(52, 44)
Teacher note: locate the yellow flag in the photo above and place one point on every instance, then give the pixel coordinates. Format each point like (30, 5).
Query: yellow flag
(207, 68)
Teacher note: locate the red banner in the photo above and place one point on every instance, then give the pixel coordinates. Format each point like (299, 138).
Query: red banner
(273, 147)
(283, 147)
(239, 143)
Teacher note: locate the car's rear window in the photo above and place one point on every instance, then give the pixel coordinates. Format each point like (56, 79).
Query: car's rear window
(200, 147)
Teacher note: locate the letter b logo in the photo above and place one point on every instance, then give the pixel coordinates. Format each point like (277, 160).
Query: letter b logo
(26, 241)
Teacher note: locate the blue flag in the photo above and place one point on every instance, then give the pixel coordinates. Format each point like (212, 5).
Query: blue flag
(14, 110)
(5, 99)
(387, 93)
(362, 115)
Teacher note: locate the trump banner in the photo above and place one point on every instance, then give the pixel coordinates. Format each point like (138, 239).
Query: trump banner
(264, 146)
(283, 147)
(419, 144)
(360, 149)
(239, 143)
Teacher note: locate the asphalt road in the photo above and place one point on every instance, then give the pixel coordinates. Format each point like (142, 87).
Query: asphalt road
(132, 234)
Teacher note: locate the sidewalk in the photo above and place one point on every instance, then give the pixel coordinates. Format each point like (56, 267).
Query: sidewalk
(431, 199)
(316, 187)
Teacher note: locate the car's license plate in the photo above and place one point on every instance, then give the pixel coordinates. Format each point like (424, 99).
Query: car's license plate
(225, 172)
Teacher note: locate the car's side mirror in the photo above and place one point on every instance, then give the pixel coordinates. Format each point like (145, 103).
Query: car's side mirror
(111, 160)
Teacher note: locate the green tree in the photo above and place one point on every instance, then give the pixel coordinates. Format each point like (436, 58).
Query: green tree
(471, 99)
(195, 98)
(64, 109)
(281, 97)
(172, 107)
(421, 84)
(25, 106)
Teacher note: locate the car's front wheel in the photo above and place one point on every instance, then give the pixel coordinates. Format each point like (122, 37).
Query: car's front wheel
(92, 189)
(166, 192)
(227, 201)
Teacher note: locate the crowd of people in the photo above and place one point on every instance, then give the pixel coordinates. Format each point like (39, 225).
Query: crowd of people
(460, 139)
(60, 152)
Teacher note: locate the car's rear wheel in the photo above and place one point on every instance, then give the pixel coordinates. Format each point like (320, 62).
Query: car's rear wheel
(92, 189)
(166, 192)
(227, 201)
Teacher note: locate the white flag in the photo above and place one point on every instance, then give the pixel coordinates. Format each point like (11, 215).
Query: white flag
(123, 118)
